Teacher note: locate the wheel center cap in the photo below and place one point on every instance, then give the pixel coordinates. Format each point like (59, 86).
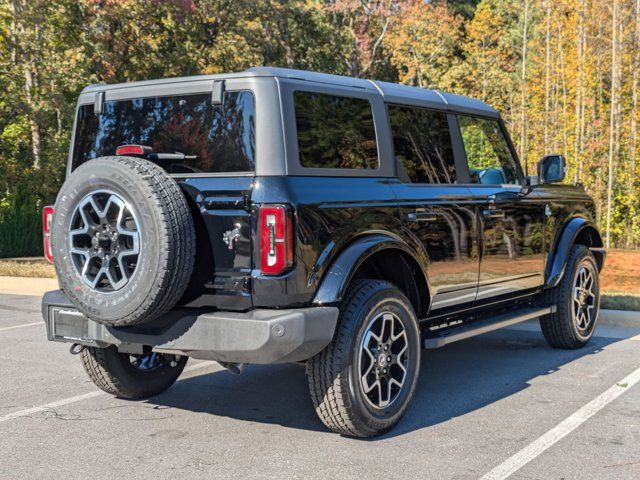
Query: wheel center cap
(104, 241)
(382, 360)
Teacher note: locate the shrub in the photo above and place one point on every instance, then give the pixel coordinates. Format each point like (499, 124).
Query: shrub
(21, 225)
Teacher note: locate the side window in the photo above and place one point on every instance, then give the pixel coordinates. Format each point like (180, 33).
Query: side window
(488, 154)
(422, 144)
(335, 131)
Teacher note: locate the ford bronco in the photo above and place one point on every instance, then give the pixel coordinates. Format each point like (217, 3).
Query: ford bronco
(276, 215)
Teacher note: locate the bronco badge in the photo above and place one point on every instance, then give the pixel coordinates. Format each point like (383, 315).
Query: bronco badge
(230, 236)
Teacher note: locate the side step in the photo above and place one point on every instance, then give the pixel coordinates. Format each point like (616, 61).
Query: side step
(448, 335)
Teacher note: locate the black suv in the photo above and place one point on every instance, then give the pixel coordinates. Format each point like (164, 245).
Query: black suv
(277, 216)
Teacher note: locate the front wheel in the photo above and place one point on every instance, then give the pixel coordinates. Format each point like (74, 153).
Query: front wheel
(577, 301)
(363, 381)
(131, 376)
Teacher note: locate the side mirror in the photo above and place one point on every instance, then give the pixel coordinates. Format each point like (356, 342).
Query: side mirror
(551, 169)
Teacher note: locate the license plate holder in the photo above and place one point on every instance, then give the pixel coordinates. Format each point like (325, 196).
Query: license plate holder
(68, 325)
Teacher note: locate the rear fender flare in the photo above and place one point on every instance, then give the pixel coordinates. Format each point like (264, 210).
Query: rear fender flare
(336, 281)
(557, 258)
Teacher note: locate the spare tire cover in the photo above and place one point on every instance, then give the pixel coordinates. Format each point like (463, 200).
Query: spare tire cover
(123, 240)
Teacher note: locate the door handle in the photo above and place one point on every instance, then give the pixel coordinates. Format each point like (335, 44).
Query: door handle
(421, 216)
(493, 213)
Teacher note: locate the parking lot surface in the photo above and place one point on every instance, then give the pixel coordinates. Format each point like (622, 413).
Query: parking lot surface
(502, 405)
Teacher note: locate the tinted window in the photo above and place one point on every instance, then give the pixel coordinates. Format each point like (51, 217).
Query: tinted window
(422, 144)
(221, 136)
(335, 132)
(488, 154)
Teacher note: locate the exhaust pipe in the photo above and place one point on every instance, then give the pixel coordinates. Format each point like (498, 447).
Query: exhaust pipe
(235, 368)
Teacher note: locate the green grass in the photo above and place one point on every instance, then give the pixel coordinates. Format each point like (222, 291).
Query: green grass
(620, 301)
(33, 268)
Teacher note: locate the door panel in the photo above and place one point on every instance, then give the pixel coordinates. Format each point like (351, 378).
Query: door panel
(443, 219)
(510, 223)
(512, 258)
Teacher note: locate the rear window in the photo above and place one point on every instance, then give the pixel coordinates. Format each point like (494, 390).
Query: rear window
(335, 131)
(222, 137)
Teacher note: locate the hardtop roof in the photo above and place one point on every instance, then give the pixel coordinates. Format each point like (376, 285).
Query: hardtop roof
(391, 92)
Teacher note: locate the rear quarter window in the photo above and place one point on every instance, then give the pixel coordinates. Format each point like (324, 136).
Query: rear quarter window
(222, 137)
(335, 131)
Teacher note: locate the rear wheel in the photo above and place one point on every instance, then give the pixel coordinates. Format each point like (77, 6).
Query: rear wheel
(363, 381)
(577, 301)
(131, 376)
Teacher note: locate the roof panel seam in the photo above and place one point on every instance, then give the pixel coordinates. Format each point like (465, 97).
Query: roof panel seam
(377, 87)
(441, 96)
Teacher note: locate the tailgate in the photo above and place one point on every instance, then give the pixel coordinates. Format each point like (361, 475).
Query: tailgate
(223, 225)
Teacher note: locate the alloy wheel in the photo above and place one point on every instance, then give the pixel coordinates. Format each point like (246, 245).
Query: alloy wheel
(584, 296)
(104, 241)
(383, 360)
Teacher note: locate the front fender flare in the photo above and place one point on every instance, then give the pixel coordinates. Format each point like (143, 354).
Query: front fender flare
(557, 259)
(335, 282)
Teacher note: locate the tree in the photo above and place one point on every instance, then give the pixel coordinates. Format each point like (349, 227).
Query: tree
(424, 42)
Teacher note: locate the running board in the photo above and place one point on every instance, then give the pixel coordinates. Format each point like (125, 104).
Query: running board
(471, 329)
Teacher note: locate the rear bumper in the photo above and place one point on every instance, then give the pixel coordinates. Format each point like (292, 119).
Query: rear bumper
(260, 336)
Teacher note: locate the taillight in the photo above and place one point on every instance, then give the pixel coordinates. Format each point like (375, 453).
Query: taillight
(276, 240)
(47, 220)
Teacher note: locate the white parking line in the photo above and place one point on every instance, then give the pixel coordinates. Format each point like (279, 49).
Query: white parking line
(4, 329)
(79, 398)
(564, 428)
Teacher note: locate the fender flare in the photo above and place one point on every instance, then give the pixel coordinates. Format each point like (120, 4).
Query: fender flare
(557, 258)
(336, 280)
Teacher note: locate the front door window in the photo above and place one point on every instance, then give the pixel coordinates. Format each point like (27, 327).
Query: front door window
(488, 153)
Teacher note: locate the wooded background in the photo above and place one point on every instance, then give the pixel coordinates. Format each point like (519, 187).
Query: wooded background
(565, 75)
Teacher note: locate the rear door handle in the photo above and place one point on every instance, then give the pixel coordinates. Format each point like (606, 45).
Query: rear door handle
(493, 213)
(421, 216)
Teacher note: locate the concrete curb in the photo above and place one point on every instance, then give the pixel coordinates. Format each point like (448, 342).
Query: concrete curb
(619, 318)
(611, 324)
(27, 285)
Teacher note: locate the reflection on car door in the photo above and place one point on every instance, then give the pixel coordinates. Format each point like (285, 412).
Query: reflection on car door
(438, 214)
(510, 220)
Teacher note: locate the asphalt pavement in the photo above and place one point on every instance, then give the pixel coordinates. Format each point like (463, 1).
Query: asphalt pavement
(501, 405)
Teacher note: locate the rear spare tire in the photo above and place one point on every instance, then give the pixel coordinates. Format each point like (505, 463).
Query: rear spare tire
(123, 240)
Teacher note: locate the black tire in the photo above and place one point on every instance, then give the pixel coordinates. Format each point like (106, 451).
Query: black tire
(334, 374)
(158, 275)
(564, 328)
(114, 373)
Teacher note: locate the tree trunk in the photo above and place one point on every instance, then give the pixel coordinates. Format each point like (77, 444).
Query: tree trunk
(612, 116)
(523, 91)
(580, 47)
(547, 83)
(634, 122)
(17, 8)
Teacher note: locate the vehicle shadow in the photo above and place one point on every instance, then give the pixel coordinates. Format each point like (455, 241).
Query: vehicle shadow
(455, 380)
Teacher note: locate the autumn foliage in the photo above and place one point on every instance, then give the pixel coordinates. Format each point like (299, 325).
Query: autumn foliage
(563, 73)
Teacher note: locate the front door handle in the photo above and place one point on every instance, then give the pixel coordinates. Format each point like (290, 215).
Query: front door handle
(421, 216)
(493, 213)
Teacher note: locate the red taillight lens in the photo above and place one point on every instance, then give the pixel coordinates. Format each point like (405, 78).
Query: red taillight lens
(133, 150)
(276, 239)
(47, 221)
